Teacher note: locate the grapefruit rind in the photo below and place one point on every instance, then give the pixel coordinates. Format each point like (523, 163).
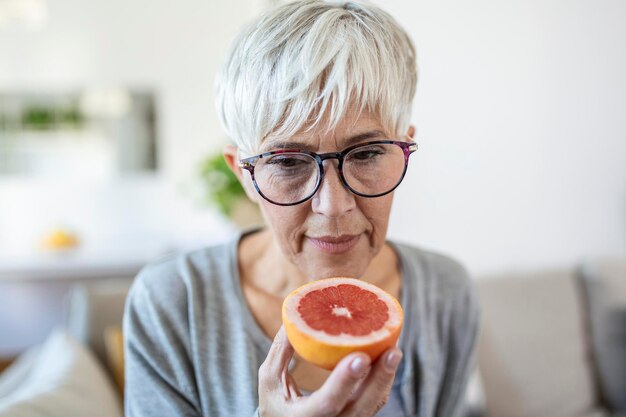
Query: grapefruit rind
(325, 350)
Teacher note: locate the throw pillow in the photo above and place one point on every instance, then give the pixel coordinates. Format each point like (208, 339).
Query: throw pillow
(58, 379)
(531, 352)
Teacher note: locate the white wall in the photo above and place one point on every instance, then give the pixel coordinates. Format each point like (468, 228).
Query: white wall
(521, 116)
(521, 112)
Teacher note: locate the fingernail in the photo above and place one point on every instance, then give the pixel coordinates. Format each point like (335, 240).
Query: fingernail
(358, 365)
(393, 359)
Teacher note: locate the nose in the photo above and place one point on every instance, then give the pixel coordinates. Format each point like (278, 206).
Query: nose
(332, 199)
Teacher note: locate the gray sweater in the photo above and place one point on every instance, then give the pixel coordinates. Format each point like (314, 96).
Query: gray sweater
(193, 347)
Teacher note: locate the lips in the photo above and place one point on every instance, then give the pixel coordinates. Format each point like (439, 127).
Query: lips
(334, 244)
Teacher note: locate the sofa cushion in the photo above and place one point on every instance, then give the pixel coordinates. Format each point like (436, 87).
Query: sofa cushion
(605, 285)
(532, 352)
(57, 379)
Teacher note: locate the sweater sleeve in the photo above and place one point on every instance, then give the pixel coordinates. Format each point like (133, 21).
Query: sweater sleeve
(461, 345)
(159, 376)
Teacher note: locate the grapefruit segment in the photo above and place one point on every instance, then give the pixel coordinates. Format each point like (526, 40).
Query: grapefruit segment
(327, 319)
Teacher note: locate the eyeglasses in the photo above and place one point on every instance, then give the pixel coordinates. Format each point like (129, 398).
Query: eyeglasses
(287, 177)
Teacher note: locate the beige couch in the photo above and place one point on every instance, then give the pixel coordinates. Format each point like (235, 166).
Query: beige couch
(553, 343)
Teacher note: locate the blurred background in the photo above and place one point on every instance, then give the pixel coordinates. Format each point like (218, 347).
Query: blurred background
(109, 139)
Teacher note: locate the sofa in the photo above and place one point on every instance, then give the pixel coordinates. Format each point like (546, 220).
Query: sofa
(552, 344)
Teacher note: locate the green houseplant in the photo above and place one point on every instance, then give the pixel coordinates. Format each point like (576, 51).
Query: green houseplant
(224, 191)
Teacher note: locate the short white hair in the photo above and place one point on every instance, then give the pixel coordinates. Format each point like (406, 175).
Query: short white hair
(313, 60)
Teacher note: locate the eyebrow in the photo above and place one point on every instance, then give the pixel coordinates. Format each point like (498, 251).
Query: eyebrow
(352, 140)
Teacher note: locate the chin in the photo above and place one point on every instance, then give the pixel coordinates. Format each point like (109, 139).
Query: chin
(338, 268)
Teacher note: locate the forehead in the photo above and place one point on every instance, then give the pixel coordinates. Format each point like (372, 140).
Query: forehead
(349, 131)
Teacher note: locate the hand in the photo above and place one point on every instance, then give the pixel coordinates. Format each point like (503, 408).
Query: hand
(354, 388)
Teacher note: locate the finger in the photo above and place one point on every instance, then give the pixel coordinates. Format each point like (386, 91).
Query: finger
(335, 393)
(276, 363)
(373, 393)
(292, 388)
(280, 353)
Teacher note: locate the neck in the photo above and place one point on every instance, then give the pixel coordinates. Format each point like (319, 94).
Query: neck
(260, 254)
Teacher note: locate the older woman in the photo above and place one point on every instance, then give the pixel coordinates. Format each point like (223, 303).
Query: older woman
(317, 98)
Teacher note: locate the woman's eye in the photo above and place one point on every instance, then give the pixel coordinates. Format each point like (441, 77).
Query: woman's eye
(365, 154)
(286, 162)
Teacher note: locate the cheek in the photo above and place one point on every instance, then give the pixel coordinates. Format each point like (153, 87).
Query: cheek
(285, 223)
(378, 210)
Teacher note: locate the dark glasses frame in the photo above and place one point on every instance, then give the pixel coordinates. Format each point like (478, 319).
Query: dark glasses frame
(249, 163)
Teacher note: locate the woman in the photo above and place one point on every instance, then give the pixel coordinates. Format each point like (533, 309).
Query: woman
(317, 98)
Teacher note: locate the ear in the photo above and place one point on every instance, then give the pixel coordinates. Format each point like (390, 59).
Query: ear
(230, 155)
(411, 132)
(232, 160)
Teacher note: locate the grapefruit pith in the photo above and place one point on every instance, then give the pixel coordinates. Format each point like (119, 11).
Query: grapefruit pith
(327, 319)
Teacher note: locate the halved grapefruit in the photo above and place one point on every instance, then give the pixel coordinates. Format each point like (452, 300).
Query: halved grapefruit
(327, 319)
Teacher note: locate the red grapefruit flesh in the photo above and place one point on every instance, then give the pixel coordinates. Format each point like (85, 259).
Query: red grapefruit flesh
(327, 319)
